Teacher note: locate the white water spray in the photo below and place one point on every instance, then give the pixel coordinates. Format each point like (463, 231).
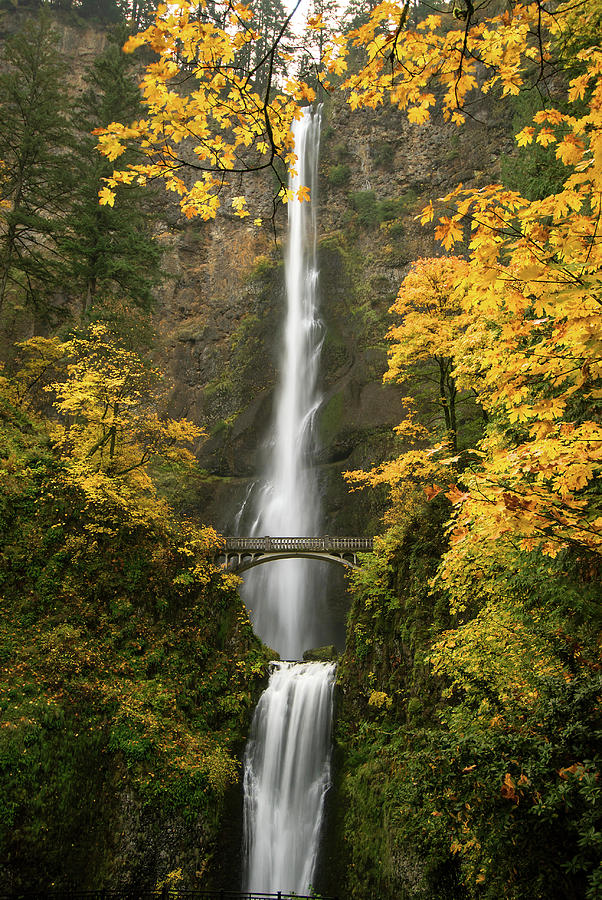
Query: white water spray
(287, 759)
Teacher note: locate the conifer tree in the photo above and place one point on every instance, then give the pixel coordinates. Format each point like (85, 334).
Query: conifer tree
(108, 250)
(34, 146)
(321, 25)
(139, 13)
(101, 10)
(267, 22)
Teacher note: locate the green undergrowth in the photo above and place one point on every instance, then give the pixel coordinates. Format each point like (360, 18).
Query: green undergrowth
(370, 211)
(129, 671)
(468, 746)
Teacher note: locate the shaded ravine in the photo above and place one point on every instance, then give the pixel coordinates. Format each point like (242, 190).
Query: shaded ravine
(287, 759)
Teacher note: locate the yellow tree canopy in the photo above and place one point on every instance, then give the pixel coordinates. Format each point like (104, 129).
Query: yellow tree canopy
(110, 424)
(429, 305)
(207, 122)
(205, 119)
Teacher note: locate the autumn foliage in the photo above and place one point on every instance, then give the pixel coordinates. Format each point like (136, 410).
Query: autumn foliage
(527, 321)
(221, 127)
(514, 323)
(517, 321)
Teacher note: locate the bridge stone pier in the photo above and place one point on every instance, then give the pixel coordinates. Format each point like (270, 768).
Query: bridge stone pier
(242, 553)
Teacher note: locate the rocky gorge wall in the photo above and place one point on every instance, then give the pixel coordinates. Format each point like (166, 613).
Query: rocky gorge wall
(220, 308)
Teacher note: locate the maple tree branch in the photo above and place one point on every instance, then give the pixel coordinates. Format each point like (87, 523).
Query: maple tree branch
(143, 460)
(469, 15)
(510, 229)
(400, 26)
(33, 383)
(540, 42)
(594, 235)
(555, 508)
(99, 444)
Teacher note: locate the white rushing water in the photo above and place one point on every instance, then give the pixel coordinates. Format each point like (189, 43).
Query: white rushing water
(287, 759)
(283, 596)
(287, 774)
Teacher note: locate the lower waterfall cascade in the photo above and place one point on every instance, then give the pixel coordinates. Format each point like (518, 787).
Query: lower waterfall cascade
(287, 774)
(287, 758)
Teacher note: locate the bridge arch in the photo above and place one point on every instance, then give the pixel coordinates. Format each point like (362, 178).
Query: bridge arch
(243, 553)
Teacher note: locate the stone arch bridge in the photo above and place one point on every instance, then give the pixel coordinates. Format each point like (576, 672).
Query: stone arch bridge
(242, 553)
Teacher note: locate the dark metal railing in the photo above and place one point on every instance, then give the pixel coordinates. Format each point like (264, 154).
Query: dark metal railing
(291, 544)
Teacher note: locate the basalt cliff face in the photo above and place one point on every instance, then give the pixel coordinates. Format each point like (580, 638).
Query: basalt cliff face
(220, 308)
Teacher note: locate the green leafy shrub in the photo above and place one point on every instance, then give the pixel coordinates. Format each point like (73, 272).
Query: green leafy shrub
(366, 207)
(481, 779)
(340, 151)
(338, 175)
(132, 669)
(371, 212)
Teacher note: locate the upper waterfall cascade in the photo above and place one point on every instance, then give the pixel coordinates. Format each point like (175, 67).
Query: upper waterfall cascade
(283, 599)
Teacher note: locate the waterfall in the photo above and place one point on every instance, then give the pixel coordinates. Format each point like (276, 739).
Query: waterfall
(287, 774)
(287, 759)
(283, 596)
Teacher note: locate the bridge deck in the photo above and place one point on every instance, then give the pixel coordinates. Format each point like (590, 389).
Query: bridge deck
(323, 544)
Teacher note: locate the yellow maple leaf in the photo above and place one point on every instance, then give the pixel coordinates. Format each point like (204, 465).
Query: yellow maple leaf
(546, 137)
(106, 197)
(525, 136)
(448, 232)
(578, 87)
(133, 42)
(427, 213)
(418, 115)
(338, 66)
(569, 150)
(240, 207)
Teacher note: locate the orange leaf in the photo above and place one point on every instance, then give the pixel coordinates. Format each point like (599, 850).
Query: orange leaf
(432, 491)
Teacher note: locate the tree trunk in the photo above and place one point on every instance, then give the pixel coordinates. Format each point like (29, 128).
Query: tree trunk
(447, 397)
(442, 395)
(113, 433)
(452, 392)
(10, 239)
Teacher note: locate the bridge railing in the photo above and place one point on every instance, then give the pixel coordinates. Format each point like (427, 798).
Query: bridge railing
(292, 544)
